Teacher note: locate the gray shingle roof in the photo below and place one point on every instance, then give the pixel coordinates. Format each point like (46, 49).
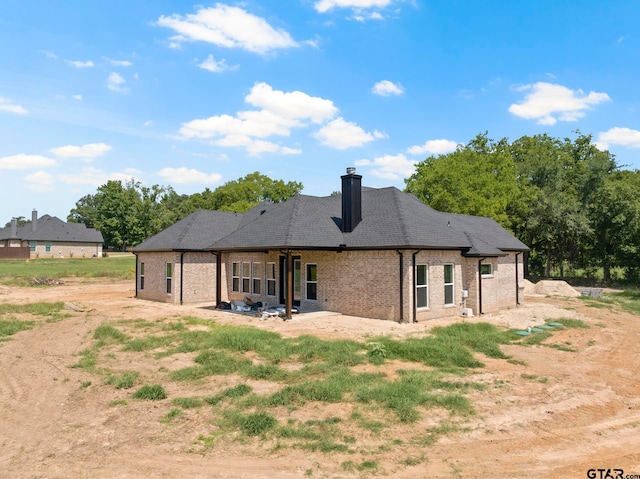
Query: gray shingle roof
(193, 233)
(52, 228)
(390, 219)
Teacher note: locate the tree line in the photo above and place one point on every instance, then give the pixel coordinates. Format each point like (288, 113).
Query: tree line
(571, 203)
(128, 213)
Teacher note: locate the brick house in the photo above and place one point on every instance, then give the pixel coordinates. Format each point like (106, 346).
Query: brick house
(378, 253)
(50, 237)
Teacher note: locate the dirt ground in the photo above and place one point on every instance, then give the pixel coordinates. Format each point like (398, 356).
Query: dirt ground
(553, 414)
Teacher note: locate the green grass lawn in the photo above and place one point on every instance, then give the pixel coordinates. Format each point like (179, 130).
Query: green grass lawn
(21, 272)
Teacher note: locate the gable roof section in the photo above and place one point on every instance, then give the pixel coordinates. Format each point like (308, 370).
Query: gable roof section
(193, 233)
(52, 228)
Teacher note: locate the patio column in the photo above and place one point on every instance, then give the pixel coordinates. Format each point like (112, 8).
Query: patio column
(289, 299)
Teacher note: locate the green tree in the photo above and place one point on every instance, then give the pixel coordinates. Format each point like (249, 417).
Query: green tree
(20, 221)
(125, 214)
(557, 223)
(128, 213)
(476, 179)
(242, 194)
(614, 209)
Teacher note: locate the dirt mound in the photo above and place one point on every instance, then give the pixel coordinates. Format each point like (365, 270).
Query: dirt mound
(529, 287)
(554, 288)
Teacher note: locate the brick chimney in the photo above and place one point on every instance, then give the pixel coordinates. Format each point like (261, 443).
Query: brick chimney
(351, 200)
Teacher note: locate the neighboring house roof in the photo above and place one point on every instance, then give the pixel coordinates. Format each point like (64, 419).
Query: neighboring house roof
(52, 228)
(193, 233)
(391, 219)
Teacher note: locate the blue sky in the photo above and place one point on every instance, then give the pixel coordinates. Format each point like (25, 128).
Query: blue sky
(194, 95)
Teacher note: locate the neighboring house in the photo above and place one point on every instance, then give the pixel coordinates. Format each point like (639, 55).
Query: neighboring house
(50, 237)
(378, 253)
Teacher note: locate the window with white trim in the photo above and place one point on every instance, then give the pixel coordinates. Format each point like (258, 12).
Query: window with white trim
(47, 246)
(256, 278)
(246, 277)
(486, 269)
(169, 277)
(142, 275)
(422, 286)
(448, 284)
(312, 282)
(271, 279)
(235, 277)
(32, 246)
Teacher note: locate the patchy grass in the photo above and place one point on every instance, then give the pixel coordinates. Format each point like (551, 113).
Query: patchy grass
(20, 272)
(125, 380)
(153, 392)
(9, 327)
(312, 373)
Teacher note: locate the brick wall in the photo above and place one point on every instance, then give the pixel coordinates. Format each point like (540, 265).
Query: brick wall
(199, 284)
(499, 289)
(436, 261)
(359, 283)
(61, 249)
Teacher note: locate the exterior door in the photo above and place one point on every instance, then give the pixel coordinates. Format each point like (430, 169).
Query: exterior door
(297, 280)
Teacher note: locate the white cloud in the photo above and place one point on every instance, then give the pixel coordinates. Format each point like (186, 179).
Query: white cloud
(6, 105)
(77, 97)
(78, 64)
(341, 134)
(119, 63)
(90, 150)
(294, 105)
(323, 6)
(256, 147)
(549, 103)
(433, 147)
(390, 167)
(619, 136)
(227, 26)
(40, 181)
(92, 176)
(25, 162)
(280, 113)
(148, 123)
(387, 88)
(186, 175)
(260, 123)
(214, 66)
(115, 82)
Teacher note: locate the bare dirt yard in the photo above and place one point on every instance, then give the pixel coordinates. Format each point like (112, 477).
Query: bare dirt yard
(547, 413)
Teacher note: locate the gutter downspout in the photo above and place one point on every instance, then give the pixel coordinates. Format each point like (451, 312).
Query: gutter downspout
(218, 255)
(415, 307)
(480, 286)
(401, 286)
(517, 283)
(136, 255)
(181, 274)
